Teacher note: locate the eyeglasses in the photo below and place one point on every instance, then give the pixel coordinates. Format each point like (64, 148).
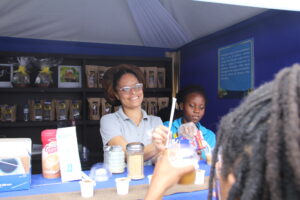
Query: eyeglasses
(137, 87)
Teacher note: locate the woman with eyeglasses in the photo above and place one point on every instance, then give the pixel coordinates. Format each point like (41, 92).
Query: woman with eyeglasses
(123, 86)
(257, 155)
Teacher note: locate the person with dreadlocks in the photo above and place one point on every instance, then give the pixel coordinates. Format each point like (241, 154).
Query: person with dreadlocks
(257, 154)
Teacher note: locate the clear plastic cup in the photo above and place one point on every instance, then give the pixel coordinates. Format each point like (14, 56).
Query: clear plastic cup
(200, 177)
(183, 155)
(122, 185)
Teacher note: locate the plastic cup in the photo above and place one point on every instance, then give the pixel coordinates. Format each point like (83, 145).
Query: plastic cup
(149, 178)
(200, 175)
(188, 178)
(87, 188)
(208, 158)
(182, 155)
(122, 185)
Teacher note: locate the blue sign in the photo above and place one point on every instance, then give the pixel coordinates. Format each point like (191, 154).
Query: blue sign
(235, 67)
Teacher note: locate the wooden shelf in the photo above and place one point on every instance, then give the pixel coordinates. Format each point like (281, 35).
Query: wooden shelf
(40, 90)
(87, 130)
(20, 124)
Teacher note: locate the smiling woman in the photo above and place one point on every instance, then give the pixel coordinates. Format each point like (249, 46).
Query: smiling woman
(124, 87)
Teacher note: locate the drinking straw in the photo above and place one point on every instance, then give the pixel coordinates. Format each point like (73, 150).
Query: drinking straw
(171, 119)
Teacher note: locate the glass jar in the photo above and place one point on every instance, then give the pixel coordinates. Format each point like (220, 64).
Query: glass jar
(116, 159)
(135, 160)
(106, 150)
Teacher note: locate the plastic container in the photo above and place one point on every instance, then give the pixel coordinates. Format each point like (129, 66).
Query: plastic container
(116, 159)
(50, 160)
(135, 160)
(26, 113)
(106, 150)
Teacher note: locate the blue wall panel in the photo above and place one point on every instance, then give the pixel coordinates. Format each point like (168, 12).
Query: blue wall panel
(276, 37)
(9, 44)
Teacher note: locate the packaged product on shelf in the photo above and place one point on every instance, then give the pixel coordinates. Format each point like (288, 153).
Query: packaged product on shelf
(21, 77)
(145, 104)
(44, 78)
(162, 102)
(94, 108)
(91, 72)
(62, 109)
(116, 108)
(36, 110)
(151, 79)
(161, 77)
(106, 107)
(49, 110)
(101, 72)
(144, 71)
(8, 113)
(75, 110)
(152, 106)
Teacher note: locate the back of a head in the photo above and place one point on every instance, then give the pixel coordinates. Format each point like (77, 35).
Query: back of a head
(260, 141)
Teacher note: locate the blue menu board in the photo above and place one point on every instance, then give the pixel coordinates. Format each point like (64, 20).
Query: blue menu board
(235, 69)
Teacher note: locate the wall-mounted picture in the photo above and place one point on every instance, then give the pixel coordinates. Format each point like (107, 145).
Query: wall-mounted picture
(6, 73)
(69, 76)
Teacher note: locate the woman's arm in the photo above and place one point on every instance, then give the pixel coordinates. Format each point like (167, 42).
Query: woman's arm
(164, 176)
(149, 151)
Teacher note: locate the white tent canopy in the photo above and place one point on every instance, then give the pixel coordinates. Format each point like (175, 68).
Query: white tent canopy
(151, 23)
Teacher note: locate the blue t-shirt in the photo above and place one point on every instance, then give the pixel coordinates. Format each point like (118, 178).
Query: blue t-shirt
(208, 135)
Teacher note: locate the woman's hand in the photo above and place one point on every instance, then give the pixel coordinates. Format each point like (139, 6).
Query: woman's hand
(165, 175)
(159, 137)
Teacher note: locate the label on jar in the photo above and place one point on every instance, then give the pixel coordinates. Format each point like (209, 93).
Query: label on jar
(50, 161)
(135, 166)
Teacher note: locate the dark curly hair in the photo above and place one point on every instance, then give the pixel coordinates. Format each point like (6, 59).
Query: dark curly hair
(260, 142)
(182, 94)
(111, 79)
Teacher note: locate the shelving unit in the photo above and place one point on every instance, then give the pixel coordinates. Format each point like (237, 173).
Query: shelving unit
(87, 130)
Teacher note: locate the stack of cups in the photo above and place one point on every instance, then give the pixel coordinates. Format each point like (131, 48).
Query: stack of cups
(116, 160)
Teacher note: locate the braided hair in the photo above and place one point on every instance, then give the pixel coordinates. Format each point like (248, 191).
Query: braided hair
(259, 142)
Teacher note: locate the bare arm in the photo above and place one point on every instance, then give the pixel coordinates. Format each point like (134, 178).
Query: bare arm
(149, 152)
(165, 175)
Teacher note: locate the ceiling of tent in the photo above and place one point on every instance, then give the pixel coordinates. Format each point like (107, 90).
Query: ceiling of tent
(151, 23)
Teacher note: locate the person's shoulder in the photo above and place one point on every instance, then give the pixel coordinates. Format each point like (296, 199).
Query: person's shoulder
(206, 130)
(154, 118)
(108, 117)
(166, 123)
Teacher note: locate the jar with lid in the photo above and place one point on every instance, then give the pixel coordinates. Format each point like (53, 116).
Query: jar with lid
(106, 150)
(116, 159)
(135, 160)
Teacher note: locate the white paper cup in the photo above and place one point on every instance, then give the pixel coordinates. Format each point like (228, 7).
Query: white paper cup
(87, 188)
(200, 176)
(122, 185)
(149, 178)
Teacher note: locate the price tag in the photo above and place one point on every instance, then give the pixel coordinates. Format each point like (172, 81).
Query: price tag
(67, 148)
